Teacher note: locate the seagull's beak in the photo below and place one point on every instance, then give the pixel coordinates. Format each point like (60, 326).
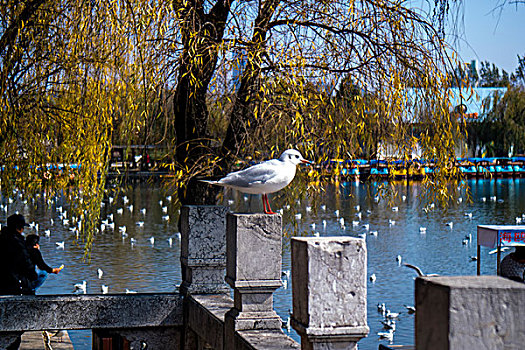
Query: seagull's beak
(309, 162)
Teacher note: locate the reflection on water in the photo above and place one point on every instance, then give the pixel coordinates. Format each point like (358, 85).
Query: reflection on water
(144, 267)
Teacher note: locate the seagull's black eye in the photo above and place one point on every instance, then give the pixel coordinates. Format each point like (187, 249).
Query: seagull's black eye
(296, 156)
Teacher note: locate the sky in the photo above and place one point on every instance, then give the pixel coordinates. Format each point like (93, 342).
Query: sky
(497, 36)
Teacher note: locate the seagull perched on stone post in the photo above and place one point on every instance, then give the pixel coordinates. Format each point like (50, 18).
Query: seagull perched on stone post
(264, 178)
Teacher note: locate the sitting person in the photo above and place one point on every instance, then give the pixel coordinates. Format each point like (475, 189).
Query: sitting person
(42, 269)
(513, 265)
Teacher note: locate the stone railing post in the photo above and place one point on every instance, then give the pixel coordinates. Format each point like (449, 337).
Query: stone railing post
(329, 291)
(203, 249)
(254, 245)
(469, 312)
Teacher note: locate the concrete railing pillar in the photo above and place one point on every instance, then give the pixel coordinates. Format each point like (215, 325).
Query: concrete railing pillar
(469, 312)
(203, 249)
(253, 270)
(329, 291)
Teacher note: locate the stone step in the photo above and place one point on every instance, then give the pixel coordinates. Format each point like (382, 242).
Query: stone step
(35, 341)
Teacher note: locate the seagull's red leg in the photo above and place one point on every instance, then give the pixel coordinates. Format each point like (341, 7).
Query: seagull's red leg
(268, 205)
(264, 203)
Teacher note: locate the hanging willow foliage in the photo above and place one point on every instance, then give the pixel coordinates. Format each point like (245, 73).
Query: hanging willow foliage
(216, 81)
(71, 71)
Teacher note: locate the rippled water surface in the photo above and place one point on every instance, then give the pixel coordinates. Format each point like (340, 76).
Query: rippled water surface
(144, 267)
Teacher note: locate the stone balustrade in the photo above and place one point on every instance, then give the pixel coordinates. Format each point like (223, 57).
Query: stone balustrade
(220, 250)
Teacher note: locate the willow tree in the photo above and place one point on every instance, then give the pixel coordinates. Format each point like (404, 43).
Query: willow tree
(71, 71)
(231, 78)
(290, 57)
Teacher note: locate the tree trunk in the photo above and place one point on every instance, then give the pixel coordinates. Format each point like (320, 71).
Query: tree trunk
(200, 34)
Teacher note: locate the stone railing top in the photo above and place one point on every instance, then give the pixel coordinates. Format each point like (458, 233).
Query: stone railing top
(473, 282)
(89, 311)
(338, 239)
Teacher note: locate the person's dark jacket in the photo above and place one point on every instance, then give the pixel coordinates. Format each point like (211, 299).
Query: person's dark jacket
(16, 267)
(36, 258)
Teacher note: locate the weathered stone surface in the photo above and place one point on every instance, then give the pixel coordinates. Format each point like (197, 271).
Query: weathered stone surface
(167, 338)
(89, 311)
(203, 249)
(329, 345)
(329, 284)
(469, 312)
(206, 317)
(264, 339)
(254, 249)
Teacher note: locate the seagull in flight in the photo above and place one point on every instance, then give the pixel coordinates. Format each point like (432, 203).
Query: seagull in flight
(264, 178)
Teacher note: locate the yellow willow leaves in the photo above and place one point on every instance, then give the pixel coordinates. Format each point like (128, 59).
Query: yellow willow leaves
(86, 72)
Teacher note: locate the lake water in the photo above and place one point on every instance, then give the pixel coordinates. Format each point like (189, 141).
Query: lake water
(144, 267)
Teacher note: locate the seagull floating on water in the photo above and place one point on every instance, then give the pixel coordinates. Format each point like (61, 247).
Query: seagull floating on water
(60, 245)
(410, 309)
(264, 178)
(80, 287)
(105, 289)
(100, 273)
(399, 259)
(386, 335)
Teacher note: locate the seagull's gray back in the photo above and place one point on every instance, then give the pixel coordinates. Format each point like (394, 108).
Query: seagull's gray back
(266, 177)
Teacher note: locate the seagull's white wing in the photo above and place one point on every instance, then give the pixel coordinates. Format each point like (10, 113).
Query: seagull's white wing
(257, 174)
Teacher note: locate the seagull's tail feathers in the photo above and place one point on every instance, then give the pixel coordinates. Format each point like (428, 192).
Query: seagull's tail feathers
(211, 182)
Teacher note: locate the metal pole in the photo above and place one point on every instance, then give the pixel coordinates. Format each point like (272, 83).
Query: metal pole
(499, 257)
(478, 261)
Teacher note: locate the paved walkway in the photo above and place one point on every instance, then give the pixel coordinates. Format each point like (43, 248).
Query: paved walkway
(35, 341)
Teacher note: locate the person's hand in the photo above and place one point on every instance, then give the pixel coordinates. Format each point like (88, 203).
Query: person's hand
(58, 269)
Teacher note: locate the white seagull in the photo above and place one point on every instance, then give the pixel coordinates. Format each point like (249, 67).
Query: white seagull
(264, 178)
(80, 287)
(100, 273)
